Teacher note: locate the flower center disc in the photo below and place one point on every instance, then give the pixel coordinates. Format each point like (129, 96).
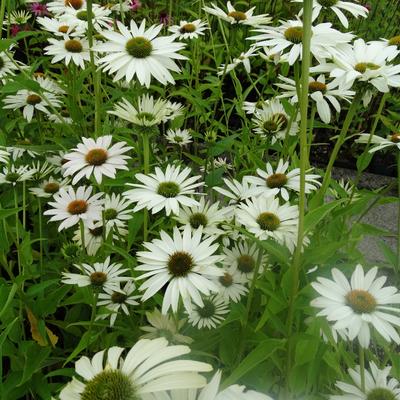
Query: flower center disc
(276, 181)
(395, 41)
(381, 394)
(226, 279)
(139, 47)
(237, 15)
(64, 113)
(97, 231)
(98, 278)
(294, 34)
(76, 4)
(395, 138)
(168, 189)
(197, 219)
(110, 213)
(327, 3)
(180, 263)
(187, 28)
(73, 46)
(51, 187)
(96, 157)
(109, 385)
(12, 177)
(82, 15)
(145, 116)
(63, 28)
(33, 99)
(118, 298)
(178, 139)
(246, 263)
(77, 207)
(361, 301)
(208, 310)
(270, 126)
(317, 87)
(268, 221)
(363, 67)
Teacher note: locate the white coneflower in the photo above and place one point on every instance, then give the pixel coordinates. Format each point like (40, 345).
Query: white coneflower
(49, 186)
(354, 306)
(272, 121)
(32, 101)
(288, 37)
(17, 152)
(356, 10)
(147, 112)
(4, 155)
(99, 275)
(93, 237)
(116, 213)
(181, 137)
(7, 67)
(244, 59)
(207, 215)
(185, 263)
(57, 27)
(69, 49)
(242, 258)
(166, 326)
(58, 7)
(210, 314)
(378, 385)
(250, 107)
(13, 175)
(381, 143)
(164, 190)
(237, 191)
(265, 218)
(63, 117)
(96, 157)
(324, 94)
(231, 285)
(139, 52)
(116, 300)
(270, 182)
(70, 207)
(149, 367)
(17, 17)
(234, 16)
(189, 30)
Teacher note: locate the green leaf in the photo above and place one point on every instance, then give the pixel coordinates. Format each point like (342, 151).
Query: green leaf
(10, 296)
(315, 216)
(87, 339)
(9, 211)
(34, 356)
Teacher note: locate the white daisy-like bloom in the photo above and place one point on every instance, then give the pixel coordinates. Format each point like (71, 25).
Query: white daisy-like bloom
(96, 157)
(57, 160)
(324, 94)
(7, 67)
(137, 51)
(250, 107)
(234, 16)
(49, 186)
(242, 259)
(62, 118)
(272, 121)
(116, 213)
(232, 285)
(17, 17)
(211, 392)
(79, 18)
(219, 162)
(99, 275)
(244, 59)
(94, 237)
(237, 191)
(147, 112)
(356, 305)
(50, 85)
(4, 155)
(116, 300)
(149, 367)
(356, 10)
(166, 326)
(164, 190)
(189, 30)
(287, 39)
(378, 385)
(70, 207)
(69, 49)
(364, 62)
(210, 314)
(185, 263)
(17, 152)
(207, 215)
(280, 181)
(13, 175)
(265, 218)
(59, 7)
(57, 27)
(180, 137)
(42, 169)
(381, 143)
(32, 101)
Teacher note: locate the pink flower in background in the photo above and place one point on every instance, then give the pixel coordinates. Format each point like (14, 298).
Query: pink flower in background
(14, 29)
(39, 9)
(165, 19)
(367, 6)
(134, 5)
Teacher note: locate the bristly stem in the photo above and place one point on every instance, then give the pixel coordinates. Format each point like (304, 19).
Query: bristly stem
(362, 367)
(304, 100)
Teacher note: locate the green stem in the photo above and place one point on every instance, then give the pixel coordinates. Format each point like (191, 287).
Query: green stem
(398, 214)
(40, 236)
(17, 230)
(340, 140)
(82, 229)
(362, 367)
(305, 70)
(24, 204)
(2, 11)
(146, 170)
